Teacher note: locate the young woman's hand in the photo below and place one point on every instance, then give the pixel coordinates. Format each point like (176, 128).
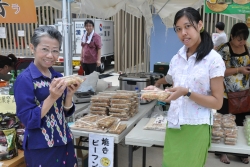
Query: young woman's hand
(176, 92)
(56, 88)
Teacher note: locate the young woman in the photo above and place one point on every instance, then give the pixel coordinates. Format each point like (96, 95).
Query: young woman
(7, 63)
(196, 72)
(235, 53)
(43, 101)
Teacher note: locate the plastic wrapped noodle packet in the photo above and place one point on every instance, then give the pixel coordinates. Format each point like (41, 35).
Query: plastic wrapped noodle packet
(117, 128)
(73, 79)
(157, 122)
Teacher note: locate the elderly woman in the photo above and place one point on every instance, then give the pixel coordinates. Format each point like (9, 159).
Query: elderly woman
(43, 101)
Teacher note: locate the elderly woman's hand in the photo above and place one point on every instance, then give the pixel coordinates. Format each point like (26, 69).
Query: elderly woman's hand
(71, 89)
(57, 87)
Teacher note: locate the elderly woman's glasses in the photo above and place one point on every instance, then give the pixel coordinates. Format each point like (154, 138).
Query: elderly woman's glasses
(47, 51)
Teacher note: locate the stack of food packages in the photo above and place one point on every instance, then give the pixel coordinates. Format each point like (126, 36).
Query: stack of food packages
(224, 127)
(124, 104)
(97, 123)
(217, 131)
(121, 104)
(99, 105)
(247, 129)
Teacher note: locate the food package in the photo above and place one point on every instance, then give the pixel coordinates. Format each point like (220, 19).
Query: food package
(217, 116)
(153, 124)
(155, 95)
(100, 99)
(247, 129)
(125, 118)
(73, 79)
(97, 104)
(231, 132)
(8, 147)
(121, 101)
(217, 132)
(117, 110)
(122, 96)
(119, 115)
(117, 128)
(104, 113)
(97, 108)
(106, 122)
(121, 106)
(216, 141)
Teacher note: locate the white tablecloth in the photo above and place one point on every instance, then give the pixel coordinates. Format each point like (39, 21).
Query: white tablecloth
(147, 138)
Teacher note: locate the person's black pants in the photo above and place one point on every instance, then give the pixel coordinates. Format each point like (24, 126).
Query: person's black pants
(89, 68)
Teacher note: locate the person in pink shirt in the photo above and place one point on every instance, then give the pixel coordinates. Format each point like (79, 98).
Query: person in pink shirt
(91, 49)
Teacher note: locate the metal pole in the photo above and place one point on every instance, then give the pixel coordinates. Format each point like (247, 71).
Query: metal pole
(67, 63)
(70, 38)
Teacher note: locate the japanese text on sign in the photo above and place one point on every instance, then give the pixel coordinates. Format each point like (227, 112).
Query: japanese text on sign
(7, 104)
(101, 150)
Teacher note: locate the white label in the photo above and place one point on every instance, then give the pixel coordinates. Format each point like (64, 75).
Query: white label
(160, 120)
(3, 148)
(101, 150)
(2, 32)
(20, 33)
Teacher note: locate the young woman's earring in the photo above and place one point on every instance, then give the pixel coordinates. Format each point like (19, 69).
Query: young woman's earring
(202, 29)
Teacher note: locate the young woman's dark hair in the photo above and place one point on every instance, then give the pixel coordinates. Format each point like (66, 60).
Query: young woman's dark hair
(9, 60)
(239, 30)
(193, 16)
(89, 22)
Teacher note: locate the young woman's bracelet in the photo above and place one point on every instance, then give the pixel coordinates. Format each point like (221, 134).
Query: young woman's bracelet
(69, 106)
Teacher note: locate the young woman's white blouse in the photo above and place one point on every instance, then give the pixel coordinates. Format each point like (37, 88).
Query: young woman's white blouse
(195, 76)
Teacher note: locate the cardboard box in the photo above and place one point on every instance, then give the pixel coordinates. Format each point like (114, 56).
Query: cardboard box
(15, 162)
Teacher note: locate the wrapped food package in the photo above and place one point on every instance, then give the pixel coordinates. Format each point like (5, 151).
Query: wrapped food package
(100, 99)
(153, 125)
(122, 96)
(119, 115)
(103, 113)
(121, 106)
(247, 129)
(73, 79)
(121, 101)
(118, 110)
(98, 104)
(117, 128)
(217, 132)
(97, 108)
(106, 122)
(155, 95)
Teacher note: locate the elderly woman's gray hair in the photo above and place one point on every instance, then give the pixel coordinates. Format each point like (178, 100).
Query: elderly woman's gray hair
(46, 31)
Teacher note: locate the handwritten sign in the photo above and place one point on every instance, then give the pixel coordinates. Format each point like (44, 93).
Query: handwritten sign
(2, 32)
(101, 150)
(7, 104)
(17, 11)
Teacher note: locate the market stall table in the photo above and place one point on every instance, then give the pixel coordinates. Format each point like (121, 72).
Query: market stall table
(148, 138)
(144, 110)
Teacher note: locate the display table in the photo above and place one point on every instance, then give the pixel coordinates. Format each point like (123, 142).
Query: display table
(17, 161)
(144, 110)
(147, 138)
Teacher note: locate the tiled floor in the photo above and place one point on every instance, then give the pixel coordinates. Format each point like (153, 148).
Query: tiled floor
(154, 154)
